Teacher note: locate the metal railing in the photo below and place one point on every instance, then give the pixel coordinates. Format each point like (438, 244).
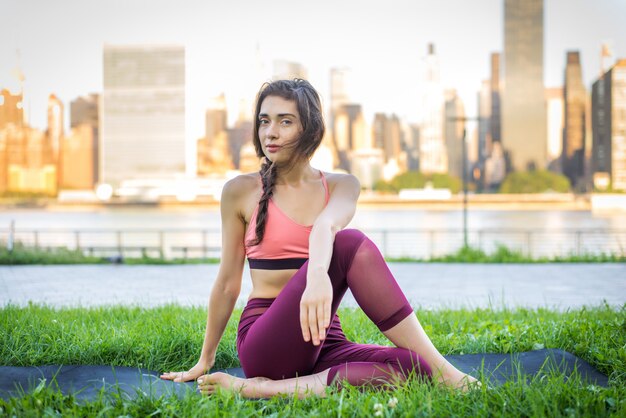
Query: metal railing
(394, 243)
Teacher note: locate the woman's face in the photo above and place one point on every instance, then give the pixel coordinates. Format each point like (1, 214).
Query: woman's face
(279, 124)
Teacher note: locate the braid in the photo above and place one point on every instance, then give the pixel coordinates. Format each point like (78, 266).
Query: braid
(268, 177)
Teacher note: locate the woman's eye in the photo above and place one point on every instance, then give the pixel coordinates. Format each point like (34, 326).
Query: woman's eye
(286, 122)
(263, 121)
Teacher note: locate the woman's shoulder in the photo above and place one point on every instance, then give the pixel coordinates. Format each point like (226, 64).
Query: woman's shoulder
(241, 186)
(344, 178)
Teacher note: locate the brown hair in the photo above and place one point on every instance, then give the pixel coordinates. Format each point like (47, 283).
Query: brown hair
(310, 111)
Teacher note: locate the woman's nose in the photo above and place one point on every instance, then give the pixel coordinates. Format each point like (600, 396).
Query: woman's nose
(272, 131)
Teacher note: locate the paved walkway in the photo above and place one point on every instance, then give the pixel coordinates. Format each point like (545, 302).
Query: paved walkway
(429, 285)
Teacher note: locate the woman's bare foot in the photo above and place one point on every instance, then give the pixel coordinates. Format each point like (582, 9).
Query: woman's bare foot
(456, 379)
(462, 381)
(248, 388)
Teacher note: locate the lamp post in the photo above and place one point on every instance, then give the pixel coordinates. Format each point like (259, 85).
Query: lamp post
(464, 158)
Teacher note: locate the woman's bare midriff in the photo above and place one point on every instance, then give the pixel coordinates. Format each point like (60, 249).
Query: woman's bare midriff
(269, 283)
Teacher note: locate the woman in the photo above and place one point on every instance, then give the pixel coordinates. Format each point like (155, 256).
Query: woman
(289, 221)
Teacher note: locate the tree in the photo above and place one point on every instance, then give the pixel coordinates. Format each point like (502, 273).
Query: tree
(416, 180)
(539, 181)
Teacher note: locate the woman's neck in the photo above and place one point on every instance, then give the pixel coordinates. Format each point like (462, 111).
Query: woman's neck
(297, 174)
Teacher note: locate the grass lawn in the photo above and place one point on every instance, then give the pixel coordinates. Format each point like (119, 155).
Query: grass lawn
(170, 337)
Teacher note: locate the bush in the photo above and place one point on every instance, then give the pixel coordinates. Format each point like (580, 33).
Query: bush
(416, 180)
(535, 182)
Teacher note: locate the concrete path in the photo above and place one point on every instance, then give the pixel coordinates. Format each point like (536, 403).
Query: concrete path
(429, 285)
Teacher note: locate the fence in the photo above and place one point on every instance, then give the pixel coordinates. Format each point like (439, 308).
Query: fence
(395, 243)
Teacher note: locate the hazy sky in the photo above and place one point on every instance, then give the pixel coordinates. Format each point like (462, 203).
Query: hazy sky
(382, 42)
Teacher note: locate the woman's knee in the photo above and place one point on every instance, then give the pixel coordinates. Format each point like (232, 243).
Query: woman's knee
(348, 238)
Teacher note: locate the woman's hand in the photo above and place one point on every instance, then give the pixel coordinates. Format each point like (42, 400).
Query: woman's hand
(196, 371)
(315, 306)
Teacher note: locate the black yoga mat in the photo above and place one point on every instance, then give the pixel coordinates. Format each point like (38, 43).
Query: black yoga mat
(85, 382)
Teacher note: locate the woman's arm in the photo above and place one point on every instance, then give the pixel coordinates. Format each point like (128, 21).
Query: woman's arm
(317, 297)
(228, 282)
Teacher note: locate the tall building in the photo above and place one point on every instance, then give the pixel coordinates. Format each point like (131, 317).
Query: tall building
(339, 96)
(453, 132)
(213, 152)
(574, 129)
(11, 116)
(27, 169)
(287, 70)
(11, 109)
(55, 125)
(523, 104)
(85, 115)
(85, 109)
(484, 123)
(339, 87)
(349, 133)
(239, 137)
(77, 164)
(143, 113)
(386, 135)
(216, 117)
(410, 144)
(495, 120)
(433, 155)
(608, 119)
(554, 116)
(368, 166)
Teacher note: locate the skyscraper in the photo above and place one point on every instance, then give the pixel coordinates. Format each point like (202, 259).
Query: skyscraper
(608, 119)
(484, 125)
(213, 154)
(287, 70)
(143, 113)
(433, 156)
(523, 104)
(495, 119)
(85, 125)
(11, 109)
(386, 135)
(349, 133)
(453, 132)
(339, 87)
(77, 162)
(574, 99)
(554, 117)
(54, 134)
(85, 109)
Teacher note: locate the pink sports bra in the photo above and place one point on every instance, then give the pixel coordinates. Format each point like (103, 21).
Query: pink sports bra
(285, 244)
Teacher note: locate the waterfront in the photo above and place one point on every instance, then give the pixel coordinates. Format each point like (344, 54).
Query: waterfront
(400, 231)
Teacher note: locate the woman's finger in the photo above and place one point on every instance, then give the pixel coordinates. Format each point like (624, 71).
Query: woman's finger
(320, 321)
(326, 314)
(313, 325)
(304, 323)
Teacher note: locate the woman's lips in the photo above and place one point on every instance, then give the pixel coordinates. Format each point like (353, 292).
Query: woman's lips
(272, 148)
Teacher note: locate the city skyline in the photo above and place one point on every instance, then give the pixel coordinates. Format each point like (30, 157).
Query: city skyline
(263, 36)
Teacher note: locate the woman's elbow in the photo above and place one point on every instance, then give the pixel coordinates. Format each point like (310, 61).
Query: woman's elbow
(226, 290)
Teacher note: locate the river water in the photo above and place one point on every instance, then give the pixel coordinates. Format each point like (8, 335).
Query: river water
(399, 231)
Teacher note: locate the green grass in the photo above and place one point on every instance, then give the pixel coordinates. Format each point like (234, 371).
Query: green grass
(170, 338)
(24, 255)
(503, 254)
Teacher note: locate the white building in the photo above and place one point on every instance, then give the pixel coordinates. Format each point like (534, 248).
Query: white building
(433, 155)
(143, 113)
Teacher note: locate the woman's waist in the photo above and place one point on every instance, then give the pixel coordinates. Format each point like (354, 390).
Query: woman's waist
(267, 284)
(279, 262)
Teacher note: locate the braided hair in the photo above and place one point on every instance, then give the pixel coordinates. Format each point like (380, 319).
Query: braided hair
(310, 111)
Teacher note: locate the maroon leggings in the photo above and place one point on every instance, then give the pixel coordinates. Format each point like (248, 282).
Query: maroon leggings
(269, 338)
